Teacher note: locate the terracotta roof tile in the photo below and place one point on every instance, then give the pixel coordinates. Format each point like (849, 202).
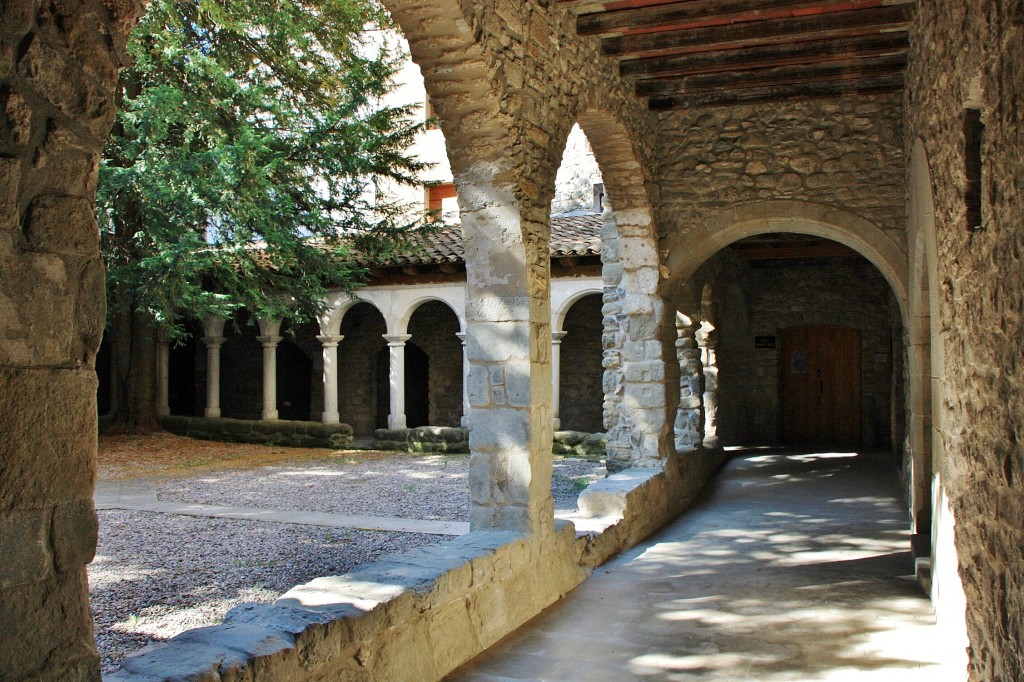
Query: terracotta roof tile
(572, 234)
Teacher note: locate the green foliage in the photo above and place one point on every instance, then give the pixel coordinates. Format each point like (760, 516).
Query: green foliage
(248, 156)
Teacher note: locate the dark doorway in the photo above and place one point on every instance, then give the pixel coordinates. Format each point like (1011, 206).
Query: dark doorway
(382, 372)
(181, 376)
(293, 382)
(821, 385)
(417, 386)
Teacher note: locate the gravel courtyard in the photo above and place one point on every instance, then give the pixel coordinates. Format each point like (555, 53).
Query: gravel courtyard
(156, 574)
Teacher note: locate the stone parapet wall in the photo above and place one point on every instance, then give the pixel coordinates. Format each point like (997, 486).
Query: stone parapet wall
(421, 614)
(423, 439)
(281, 432)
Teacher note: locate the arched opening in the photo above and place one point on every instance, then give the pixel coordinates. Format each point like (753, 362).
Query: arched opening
(362, 357)
(186, 374)
(417, 386)
(299, 366)
(241, 369)
(433, 367)
(580, 382)
(803, 339)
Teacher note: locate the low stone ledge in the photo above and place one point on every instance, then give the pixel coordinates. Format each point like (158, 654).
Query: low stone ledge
(425, 439)
(273, 432)
(580, 444)
(423, 613)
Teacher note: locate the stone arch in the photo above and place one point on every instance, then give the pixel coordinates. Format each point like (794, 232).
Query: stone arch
(639, 412)
(580, 381)
(401, 323)
(337, 306)
(692, 248)
(359, 354)
(558, 319)
(933, 517)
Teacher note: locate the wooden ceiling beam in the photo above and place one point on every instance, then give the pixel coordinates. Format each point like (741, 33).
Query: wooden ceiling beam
(854, 69)
(765, 56)
(702, 13)
(770, 31)
(777, 93)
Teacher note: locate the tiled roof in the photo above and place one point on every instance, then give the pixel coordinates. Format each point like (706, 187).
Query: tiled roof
(572, 234)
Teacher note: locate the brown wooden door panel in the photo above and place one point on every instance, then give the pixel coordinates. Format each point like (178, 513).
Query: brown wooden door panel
(821, 387)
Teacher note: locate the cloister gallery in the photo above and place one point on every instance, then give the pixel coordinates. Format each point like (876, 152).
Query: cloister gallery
(840, 180)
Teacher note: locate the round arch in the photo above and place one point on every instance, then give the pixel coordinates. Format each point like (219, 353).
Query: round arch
(692, 248)
(563, 306)
(410, 308)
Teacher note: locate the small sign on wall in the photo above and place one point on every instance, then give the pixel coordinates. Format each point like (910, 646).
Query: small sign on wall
(767, 341)
(798, 362)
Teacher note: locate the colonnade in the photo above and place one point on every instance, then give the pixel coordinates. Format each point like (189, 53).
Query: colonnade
(270, 337)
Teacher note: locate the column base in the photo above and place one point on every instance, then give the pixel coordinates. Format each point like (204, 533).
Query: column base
(212, 412)
(269, 415)
(396, 421)
(556, 424)
(330, 418)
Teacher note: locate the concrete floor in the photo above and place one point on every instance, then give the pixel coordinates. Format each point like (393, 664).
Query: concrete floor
(793, 567)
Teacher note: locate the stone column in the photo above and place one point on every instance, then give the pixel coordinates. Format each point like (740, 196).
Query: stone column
(508, 347)
(163, 355)
(330, 344)
(556, 355)
(690, 416)
(707, 338)
(465, 381)
(396, 343)
(213, 330)
(269, 338)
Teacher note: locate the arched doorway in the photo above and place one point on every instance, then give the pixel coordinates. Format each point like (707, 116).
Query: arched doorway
(185, 380)
(362, 356)
(433, 367)
(580, 372)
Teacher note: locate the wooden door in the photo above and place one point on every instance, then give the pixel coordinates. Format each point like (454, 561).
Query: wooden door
(820, 368)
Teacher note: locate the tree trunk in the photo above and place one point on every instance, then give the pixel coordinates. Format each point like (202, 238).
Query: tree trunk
(133, 373)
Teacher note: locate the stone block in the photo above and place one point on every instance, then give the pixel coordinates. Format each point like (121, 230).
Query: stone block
(74, 535)
(48, 453)
(24, 535)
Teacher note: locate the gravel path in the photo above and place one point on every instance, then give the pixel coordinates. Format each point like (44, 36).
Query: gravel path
(156, 575)
(406, 487)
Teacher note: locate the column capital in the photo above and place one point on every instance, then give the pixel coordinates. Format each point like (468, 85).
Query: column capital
(214, 341)
(396, 340)
(556, 337)
(330, 340)
(269, 341)
(462, 337)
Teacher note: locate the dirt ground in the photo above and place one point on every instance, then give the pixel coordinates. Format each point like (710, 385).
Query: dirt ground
(165, 454)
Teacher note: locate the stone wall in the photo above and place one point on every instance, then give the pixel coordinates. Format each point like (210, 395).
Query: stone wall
(58, 69)
(970, 54)
(846, 152)
(580, 392)
(297, 434)
(765, 301)
(359, 356)
(433, 328)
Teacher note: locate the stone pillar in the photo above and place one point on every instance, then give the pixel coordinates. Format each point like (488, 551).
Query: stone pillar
(330, 344)
(163, 355)
(58, 72)
(689, 427)
(707, 339)
(213, 337)
(641, 386)
(508, 347)
(396, 344)
(270, 336)
(465, 381)
(556, 356)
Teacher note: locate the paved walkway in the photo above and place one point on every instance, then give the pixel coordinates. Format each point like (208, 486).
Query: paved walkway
(140, 495)
(793, 567)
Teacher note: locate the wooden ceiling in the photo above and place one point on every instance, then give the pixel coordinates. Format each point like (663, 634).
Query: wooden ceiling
(698, 53)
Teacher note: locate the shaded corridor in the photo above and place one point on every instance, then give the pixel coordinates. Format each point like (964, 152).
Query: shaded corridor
(792, 567)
